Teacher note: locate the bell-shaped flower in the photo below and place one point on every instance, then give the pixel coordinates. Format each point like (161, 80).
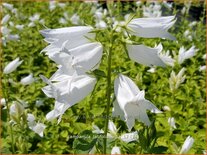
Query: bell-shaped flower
(176, 80)
(146, 55)
(5, 19)
(8, 6)
(75, 36)
(152, 27)
(16, 109)
(187, 145)
(38, 128)
(183, 54)
(131, 102)
(115, 150)
(67, 91)
(12, 66)
(27, 80)
(80, 59)
(171, 122)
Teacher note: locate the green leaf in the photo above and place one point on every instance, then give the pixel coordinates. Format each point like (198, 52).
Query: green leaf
(84, 142)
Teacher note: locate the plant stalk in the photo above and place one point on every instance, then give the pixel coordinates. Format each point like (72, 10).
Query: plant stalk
(108, 95)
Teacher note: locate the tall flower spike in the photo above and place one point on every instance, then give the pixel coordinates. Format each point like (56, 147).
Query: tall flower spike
(152, 27)
(146, 55)
(132, 102)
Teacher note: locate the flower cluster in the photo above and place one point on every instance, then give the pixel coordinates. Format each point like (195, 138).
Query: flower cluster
(75, 55)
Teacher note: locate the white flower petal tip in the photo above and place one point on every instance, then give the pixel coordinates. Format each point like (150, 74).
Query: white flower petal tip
(152, 27)
(12, 66)
(115, 150)
(75, 36)
(132, 102)
(146, 55)
(187, 145)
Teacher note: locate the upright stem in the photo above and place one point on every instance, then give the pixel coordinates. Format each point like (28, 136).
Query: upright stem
(108, 95)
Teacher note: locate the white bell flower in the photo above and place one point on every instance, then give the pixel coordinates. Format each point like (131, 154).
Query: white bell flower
(146, 55)
(38, 128)
(115, 150)
(186, 54)
(176, 80)
(73, 36)
(152, 27)
(27, 80)
(5, 19)
(12, 66)
(171, 121)
(187, 145)
(8, 6)
(131, 102)
(67, 91)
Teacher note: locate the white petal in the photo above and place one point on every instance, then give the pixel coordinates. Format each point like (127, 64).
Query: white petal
(146, 55)
(87, 56)
(117, 111)
(75, 36)
(152, 27)
(125, 90)
(12, 66)
(187, 145)
(112, 128)
(39, 128)
(27, 80)
(30, 118)
(115, 150)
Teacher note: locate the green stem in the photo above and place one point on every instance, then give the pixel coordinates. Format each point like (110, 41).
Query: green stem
(108, 95)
